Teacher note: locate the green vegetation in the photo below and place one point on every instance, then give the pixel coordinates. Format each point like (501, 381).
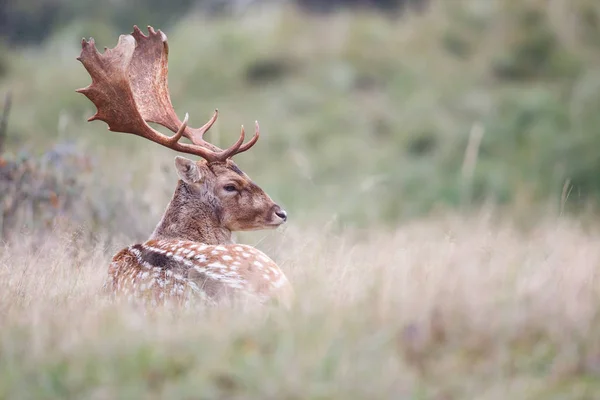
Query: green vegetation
(364, 117)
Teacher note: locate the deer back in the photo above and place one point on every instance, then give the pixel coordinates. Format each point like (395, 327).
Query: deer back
(177, 271)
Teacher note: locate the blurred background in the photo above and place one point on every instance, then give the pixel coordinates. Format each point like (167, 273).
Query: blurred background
(372, 112)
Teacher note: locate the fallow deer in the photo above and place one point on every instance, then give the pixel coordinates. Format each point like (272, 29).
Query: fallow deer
(191, 254)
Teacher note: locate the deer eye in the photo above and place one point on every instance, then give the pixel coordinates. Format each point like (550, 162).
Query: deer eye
(230, 188)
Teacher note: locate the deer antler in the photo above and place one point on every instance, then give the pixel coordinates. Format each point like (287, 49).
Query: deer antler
(129, 88)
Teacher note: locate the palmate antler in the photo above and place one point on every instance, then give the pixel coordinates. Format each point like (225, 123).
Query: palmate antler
(129, 88)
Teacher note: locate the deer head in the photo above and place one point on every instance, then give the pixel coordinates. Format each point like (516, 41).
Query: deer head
(241, 205)
(213, 196)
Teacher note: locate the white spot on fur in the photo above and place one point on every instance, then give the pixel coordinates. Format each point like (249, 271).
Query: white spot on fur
(236, 285)
(217, 265)
(227, 258)
(280, 282)
(146, 265)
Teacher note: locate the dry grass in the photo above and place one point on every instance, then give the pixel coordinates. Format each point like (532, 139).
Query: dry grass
(445, 308)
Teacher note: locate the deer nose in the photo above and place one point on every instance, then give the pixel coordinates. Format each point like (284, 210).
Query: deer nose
(281, 214)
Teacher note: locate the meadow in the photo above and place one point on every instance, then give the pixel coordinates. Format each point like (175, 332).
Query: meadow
(441, 178)
(442, 308)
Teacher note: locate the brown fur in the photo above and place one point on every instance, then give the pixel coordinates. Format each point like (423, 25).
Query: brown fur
(191, 253)
(213, 196)
(176, 271)
(202, 211)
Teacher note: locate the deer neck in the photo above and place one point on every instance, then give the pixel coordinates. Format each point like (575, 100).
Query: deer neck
(191, 218)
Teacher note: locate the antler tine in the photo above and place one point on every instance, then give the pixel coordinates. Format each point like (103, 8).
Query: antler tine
(204, 128)
(237, 148)
(196, 136)
(231, 151)
(175, 138)
(252, 141)
(222, 155)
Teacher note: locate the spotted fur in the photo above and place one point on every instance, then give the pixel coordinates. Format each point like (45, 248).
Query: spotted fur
(179, 271)
(190, 253)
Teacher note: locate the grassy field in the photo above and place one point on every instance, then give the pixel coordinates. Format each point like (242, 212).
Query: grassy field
(443, 308)
(441, 175)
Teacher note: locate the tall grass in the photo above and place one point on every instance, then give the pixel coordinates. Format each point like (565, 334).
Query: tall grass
(448, 307)
(356, 103)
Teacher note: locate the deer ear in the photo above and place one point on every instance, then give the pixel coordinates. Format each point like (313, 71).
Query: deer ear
(187, 170)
